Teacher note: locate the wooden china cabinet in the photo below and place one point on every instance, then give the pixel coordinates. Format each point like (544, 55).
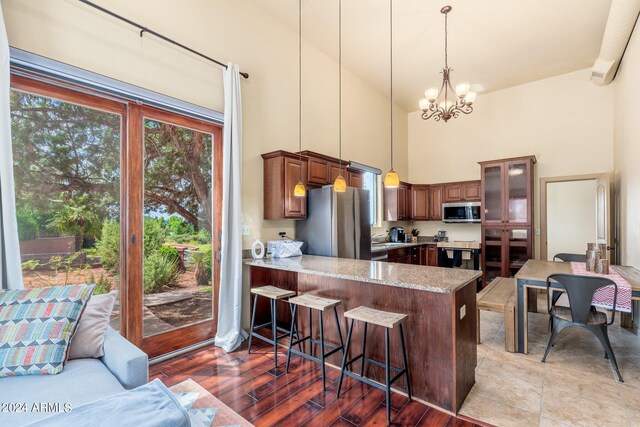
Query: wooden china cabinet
(507, 216)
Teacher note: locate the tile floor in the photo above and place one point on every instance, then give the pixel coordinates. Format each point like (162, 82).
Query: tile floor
(576, 387)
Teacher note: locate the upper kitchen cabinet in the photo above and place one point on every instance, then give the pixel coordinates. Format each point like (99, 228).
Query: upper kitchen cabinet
(507, 191)
(355, 178)
(420, 203)
(468, 191)
(322, 169)
(282, 171)
(435, 202)
(397, 203)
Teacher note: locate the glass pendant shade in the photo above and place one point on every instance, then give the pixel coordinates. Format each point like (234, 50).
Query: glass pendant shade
(300, 190)
(392, 180)
(470, 98)
(340, 185)
(424, 104)
(431, 94)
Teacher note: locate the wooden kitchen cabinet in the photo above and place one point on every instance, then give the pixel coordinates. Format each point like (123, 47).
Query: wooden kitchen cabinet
(435, 202)
(506, 192)
(507, 216)
(397, 202)
(282, 171)
(335, 170)
(466, 191)
(471, 191)
(420, 202)
(355, 178)
(432, 256)
(453, 193)
(322, 169)
(317, 171)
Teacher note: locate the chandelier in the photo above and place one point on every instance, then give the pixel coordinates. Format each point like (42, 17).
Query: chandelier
(447, 103)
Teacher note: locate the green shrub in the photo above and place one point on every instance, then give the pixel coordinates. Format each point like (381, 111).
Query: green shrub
(154, 235)
(208, 268)
(170, 252)
(108, 246)
(159, 271)
(102, 285)
(28, 224)
(176, 226)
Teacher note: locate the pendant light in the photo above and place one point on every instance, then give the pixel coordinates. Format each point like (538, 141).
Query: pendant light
(340, 185)
(391, 180)
(300, 190)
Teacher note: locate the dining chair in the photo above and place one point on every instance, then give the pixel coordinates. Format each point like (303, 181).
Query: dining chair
(566, 257)
(580, 290)
(570, 257)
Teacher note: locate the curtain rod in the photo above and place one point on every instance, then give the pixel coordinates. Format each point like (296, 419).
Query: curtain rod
(144, 29)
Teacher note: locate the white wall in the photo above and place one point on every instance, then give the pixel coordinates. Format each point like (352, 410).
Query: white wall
(237, 31)
(627, 151)
(571, 216)
(565, 121)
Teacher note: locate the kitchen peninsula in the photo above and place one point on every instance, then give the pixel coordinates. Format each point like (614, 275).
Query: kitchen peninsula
(440, 303)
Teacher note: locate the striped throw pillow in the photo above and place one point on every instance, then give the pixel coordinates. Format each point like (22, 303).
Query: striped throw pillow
(36, 327)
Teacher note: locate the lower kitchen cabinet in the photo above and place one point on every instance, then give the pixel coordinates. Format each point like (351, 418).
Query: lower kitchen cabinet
(432, 256)
(417, 255)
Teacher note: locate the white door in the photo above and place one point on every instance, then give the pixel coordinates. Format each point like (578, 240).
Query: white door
(604, 215)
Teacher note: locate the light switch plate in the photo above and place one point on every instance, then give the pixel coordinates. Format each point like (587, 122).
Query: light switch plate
(246, 230)
(463, 311)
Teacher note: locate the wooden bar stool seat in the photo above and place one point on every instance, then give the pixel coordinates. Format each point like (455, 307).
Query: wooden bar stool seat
(388, 321)
(274, 295)
(319, 304)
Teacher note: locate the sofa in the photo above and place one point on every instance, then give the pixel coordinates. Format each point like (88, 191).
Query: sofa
(123, 367)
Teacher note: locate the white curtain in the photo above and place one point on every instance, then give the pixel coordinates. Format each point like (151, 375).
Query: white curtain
(230, 333)
(11, 275)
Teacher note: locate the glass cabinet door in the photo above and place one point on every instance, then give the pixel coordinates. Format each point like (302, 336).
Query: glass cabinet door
(493, 197)
(519, 248)
(518, 199)
(493, 253)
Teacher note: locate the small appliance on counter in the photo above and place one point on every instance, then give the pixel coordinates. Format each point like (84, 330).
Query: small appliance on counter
(396, 235)
(441, 236)
(284, 248)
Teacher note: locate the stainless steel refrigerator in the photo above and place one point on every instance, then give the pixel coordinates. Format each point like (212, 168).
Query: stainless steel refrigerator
(337, 224)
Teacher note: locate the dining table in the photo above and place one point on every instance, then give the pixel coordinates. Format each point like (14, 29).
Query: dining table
(534, 274)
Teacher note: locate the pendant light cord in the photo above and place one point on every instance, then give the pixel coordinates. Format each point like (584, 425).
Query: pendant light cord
(300, 83)
(446, 37)
(391, 73)
(340, 78)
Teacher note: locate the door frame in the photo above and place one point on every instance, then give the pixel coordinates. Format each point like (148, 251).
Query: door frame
(184, 336)
(543, 203)
(131, 201)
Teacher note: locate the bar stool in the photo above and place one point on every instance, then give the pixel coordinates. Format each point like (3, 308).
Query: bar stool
(388, 321)
(274, 295)
(320, 305)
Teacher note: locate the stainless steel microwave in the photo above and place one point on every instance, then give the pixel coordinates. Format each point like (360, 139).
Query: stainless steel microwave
(461, 212)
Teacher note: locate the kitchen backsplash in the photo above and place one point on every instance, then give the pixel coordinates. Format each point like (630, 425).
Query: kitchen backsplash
(431, 228)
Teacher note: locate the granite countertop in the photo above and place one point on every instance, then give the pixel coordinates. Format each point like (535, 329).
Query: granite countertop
(431, 279)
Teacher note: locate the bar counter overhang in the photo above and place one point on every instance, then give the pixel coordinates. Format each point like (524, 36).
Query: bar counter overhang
(440, 331)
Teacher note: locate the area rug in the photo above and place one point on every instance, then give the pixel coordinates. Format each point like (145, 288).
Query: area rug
(224, 415)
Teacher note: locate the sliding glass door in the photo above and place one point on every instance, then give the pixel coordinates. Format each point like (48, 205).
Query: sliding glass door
(124, 196)
(67, 169)
(177, 206)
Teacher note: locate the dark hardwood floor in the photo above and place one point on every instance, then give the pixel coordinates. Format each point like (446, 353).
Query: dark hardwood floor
(249, 385)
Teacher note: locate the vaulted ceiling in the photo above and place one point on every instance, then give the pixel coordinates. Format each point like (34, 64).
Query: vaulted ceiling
(493, 44)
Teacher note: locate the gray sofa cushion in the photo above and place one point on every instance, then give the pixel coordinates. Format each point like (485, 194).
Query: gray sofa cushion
(82, 381)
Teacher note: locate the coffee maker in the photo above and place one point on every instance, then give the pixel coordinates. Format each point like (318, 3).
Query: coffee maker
(396, 234)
